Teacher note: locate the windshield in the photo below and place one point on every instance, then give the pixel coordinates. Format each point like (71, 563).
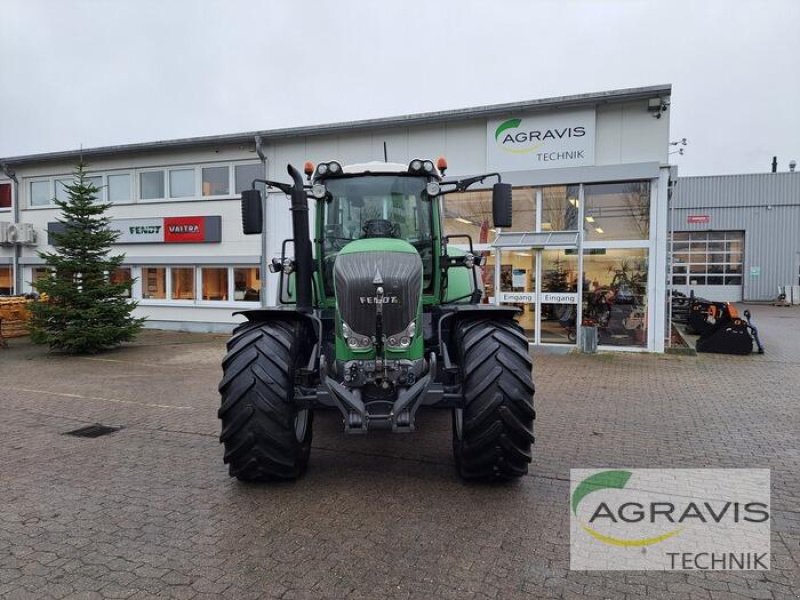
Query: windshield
(377, 206)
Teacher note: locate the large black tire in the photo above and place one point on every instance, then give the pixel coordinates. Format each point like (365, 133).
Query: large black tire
(492, 436)
(266, 437)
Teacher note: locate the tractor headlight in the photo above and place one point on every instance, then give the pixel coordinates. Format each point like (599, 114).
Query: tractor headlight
(319, 191)
(415, 165)
(469, 260)
(322, 168)
(402, 340)
(433, 188)
(355, 341)
(427, 166)
(334, 168)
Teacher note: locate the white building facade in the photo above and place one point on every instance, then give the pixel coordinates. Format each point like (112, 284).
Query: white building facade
(588, 245)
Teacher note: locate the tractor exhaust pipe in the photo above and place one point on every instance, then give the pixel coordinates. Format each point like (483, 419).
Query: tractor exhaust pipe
(304, 263)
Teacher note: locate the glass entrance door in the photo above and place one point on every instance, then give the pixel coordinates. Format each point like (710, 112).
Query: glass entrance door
(558, 297)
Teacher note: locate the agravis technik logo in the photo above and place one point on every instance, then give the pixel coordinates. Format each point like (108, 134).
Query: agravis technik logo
(670, 519)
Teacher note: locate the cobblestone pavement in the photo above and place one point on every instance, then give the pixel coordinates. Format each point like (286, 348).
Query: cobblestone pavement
(150, 512)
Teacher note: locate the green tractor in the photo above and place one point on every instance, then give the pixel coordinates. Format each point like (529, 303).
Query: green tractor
(377, 317)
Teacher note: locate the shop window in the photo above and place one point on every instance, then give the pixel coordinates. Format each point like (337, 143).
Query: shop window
(6, 281)
(182, 283)
(39, 193)
(215, 283)
(615, 296)
(560, 208)
(246, 284)
(181, 183)
(154, 283)
(119, 188)
(244, 175)
(617, 211)
(216, 181)
(122, 275)
(5, 195)
(151, 185)
(470, 213)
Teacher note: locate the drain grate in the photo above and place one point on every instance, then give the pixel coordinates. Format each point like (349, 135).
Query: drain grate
(93, 431)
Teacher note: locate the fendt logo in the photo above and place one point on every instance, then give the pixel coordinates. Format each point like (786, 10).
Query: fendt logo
(670, 519)
(376, 300)
(512, 137)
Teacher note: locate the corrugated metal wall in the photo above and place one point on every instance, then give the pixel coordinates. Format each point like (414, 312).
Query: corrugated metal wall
(766, 206)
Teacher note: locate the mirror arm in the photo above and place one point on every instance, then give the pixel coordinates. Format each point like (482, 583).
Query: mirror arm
(463, 184)
(286, 188)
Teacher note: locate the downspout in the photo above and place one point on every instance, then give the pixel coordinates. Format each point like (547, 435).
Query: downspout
(17, 272)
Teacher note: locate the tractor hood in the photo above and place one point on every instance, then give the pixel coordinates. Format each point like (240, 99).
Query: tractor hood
(364, 265)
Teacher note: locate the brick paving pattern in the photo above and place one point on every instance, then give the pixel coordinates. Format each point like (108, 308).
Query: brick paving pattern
(149, 511)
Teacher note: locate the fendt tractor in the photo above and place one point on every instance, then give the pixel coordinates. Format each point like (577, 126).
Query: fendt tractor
(376, 317)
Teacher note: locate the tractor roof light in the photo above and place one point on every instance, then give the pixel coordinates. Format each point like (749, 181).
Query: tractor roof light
(427, 166)
(322, 168)
(334, 168)
(415, 165)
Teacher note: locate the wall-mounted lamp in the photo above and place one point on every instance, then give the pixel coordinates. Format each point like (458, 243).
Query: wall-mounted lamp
(656, 106)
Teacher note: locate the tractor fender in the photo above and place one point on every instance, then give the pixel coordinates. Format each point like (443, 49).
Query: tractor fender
(289, 313)
(448, 317)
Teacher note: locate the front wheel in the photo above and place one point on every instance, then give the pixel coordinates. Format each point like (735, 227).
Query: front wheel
(266, 436)
(493, 433)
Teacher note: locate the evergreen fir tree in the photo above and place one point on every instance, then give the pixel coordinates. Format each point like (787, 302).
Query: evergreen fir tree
(85, 312)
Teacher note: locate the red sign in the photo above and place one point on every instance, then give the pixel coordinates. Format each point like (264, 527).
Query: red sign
(184, 229)
(698, 219)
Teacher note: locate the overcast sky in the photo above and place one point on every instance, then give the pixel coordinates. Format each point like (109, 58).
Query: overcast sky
(103, 72)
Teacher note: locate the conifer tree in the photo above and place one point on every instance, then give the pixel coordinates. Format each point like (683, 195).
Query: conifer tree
(85, 312)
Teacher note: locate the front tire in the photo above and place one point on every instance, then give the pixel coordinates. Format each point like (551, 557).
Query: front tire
(266, 437)
(493, 433)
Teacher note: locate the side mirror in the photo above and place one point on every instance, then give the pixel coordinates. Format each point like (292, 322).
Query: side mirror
(252, 212)
(501, 204)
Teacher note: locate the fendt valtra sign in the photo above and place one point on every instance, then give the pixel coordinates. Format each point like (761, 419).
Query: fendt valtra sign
(162, 230)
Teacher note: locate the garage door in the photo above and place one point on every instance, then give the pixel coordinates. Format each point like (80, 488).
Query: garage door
(710, 263)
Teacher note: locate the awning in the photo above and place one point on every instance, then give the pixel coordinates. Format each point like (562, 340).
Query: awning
(532, 239)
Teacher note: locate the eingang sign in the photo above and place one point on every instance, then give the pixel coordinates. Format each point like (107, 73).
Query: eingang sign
(546, 141)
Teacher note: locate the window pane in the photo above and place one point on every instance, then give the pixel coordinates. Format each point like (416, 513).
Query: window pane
(714, 281)
(5, 281)
(679, 280)
(151, 185)
(733, 281)
(39, 273)
(615, 296)
(215, 181)
(5, 195)
(215, 284)
(469, 213)
(96, 181)
(61, 189)
(245, 174)
(621, 211)
(154, 283)
(182, 283)
(122, 275)
(40, 193)
(119, 188)
(559, 209)
(181, 183)
(559, 274)
(246, 284)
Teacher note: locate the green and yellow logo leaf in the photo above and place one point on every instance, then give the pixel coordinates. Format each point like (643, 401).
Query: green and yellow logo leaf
(510, 124)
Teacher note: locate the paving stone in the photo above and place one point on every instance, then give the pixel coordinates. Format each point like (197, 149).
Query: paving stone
(150, 512)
